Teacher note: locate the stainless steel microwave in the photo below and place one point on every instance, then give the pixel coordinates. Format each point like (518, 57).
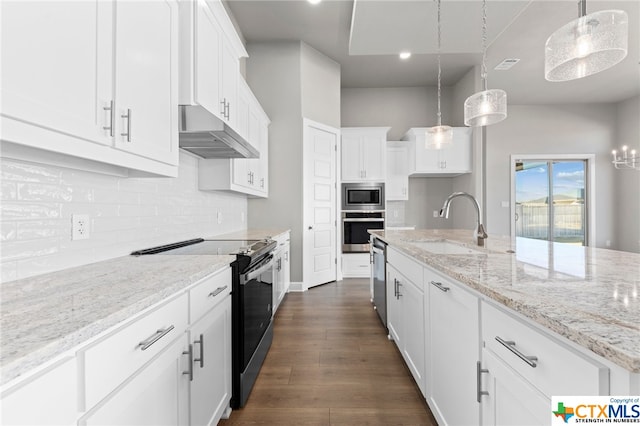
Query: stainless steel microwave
(363, 196)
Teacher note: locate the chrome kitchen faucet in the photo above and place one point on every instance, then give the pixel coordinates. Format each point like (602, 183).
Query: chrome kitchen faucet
(480, 233)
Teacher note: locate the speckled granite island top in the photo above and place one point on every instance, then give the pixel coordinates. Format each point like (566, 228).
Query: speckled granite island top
(590, 296)
(44, 316)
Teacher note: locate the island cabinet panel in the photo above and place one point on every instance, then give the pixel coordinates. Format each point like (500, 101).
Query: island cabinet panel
(549, 364)
(453, 346)
(509, 400)
(406, 313)
(49, 397)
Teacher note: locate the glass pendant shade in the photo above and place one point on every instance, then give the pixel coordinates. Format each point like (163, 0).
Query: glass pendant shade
(587, 45)
(485, 108)
(439, 136)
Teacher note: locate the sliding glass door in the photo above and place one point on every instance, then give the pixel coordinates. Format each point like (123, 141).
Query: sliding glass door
(550, 200)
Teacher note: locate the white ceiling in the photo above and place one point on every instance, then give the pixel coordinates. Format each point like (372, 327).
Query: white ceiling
(364, 36)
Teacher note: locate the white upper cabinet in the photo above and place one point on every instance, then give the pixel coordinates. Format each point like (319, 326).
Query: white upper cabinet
(397, 183)
(79, 75)
(210, 51)
(363, 154)
(453, 160)
(146, 76)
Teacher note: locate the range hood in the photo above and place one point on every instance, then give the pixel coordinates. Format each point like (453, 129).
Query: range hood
(207, 136)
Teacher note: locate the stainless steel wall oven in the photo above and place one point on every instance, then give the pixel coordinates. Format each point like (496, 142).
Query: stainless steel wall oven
(355, 238)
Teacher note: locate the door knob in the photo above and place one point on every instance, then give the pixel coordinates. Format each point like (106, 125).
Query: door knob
(311, 227)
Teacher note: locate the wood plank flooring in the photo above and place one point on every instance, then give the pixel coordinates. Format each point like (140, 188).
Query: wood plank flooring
(331, 364)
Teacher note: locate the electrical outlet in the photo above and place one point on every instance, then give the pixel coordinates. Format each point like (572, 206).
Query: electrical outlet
(80, 226)
(436, 213)
(219, 218)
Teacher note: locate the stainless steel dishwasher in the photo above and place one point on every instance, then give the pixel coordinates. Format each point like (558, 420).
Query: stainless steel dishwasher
(380, 279)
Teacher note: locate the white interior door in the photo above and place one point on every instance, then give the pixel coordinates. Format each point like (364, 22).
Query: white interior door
(320, 230)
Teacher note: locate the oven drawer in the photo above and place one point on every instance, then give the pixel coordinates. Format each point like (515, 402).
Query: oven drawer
(112, 360)
(208, 293)
(558, 369)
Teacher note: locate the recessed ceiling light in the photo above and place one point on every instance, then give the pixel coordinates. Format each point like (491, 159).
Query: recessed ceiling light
(405, 55)
(314, 1)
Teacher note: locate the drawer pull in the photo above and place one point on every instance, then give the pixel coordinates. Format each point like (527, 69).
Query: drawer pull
(217, 291)
(145, 344)
(440, 286)
(201, 343)
(511, 345)
(479, 371)
(190, 371)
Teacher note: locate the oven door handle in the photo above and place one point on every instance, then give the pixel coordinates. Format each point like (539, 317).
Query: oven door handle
(265, 265)
(364, 220)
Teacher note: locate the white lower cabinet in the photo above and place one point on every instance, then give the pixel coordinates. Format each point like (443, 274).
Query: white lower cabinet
(156, 395)
(282, 272)
(356, 265)
(49, 397)
(210, 347)
(406, 315)
(509, 400)
(454, 351)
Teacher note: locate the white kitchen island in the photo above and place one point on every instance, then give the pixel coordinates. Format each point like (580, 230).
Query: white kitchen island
(492, 333)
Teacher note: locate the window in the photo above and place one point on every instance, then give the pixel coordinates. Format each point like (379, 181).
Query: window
(551, 199)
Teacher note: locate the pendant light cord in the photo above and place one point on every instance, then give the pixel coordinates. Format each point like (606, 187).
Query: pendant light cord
(483, 71)
(439, 67)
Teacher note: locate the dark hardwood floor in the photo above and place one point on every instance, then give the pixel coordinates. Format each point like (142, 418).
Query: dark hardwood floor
(331, 364)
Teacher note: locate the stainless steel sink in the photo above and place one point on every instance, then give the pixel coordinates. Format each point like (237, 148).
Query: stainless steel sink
(445, 247)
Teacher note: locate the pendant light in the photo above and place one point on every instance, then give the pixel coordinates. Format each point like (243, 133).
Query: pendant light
(439, 136)
(489, 106)
(587, 45)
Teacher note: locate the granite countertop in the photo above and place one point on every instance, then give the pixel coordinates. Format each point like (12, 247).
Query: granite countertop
(588, 295)
(47, 315)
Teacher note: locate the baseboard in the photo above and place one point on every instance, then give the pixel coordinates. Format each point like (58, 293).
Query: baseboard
(297, 286)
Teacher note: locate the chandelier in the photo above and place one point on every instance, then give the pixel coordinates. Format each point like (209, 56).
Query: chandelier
(626, 160)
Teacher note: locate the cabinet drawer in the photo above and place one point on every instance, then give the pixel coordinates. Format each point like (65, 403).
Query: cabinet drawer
(409, 267)
(208, 293)
(112, 360)
(558, 370)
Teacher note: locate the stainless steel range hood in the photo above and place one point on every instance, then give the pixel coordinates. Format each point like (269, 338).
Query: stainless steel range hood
(207, 136)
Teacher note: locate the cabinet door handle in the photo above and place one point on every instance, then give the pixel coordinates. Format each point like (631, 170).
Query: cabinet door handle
(395, 288)
(111, 117)
(201, 343)
(511, 345)
(440, 286)
(228, 111)
(146, 343)
(217, 291)
(399, 294)
(127, 117)
(223, 102)
(190, 371)
(479, 371)
(261, 182)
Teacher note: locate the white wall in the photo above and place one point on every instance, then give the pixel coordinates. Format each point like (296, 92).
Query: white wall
(125, 213)
(549, 129)
(290, 80)
(627, 182)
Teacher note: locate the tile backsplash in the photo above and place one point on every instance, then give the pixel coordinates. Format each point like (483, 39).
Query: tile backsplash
(125, 214)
